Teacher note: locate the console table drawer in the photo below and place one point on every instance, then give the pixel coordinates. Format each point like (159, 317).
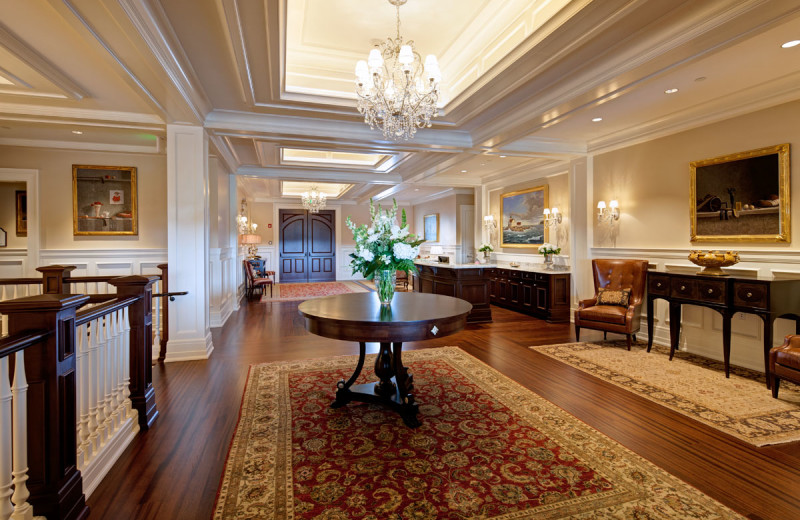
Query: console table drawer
(711, 291)
(658, 285)
(683, 288)
(750, 295)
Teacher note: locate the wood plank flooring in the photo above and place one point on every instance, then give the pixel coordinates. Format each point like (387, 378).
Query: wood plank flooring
(173, 470)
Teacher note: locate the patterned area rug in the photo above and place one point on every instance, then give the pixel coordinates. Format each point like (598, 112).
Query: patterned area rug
(487, 448)
(288, 292)
(694, 386)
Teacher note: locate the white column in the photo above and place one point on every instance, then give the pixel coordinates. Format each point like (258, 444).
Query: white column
(581, 228)
(187, 236)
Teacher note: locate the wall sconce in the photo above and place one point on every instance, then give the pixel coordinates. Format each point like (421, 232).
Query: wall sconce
(552, 217)
(489, 222)
(610, 214)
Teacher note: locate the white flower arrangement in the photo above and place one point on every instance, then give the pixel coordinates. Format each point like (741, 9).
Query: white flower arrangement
(549, 249)
(383, 244)
(486, 248)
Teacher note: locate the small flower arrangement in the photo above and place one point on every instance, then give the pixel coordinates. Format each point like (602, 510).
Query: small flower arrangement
(549, 249)
(383, 244)
(486, 248)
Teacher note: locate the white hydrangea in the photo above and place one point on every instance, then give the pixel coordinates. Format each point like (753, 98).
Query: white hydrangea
(405, 251)
(366, 254)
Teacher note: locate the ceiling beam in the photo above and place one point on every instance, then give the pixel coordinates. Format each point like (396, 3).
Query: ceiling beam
(304, 174)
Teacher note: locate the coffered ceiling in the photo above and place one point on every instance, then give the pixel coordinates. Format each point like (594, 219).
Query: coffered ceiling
(522, 81)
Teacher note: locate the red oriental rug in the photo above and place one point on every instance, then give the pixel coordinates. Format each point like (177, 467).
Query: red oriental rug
(487, 448)
(287, 292)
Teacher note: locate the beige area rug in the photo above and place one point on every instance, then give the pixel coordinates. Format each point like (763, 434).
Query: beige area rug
(694, 386)
(290, 292)
(487, 448)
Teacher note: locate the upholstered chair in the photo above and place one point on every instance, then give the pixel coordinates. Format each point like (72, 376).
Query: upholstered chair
(619, 287)
(256, 282)
(784, 363)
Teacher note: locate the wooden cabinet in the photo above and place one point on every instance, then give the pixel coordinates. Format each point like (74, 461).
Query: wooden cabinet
(468, 283)
(542, 295)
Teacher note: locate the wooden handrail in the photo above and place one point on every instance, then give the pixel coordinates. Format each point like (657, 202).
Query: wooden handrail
(21, 281)
(88, 279)
(87, 315)
(11, 344)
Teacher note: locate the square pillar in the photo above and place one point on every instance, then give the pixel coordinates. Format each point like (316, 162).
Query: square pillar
(188, 242)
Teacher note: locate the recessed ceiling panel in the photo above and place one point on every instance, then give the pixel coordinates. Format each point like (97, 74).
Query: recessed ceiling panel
(296, 189)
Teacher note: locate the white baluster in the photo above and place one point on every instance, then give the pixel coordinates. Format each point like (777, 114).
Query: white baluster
(120, 367)
(157, 320)
(107, 367)
(5, 440)
(113, 372)
(19, 391)
(126, 362)
(95, 412)
(84, 382)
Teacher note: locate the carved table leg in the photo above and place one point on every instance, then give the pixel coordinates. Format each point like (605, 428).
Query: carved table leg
(385, 370)
(674, 327)
(726, 341)
(649, 322)
(768, 320)
(405, 389)
(343, 395)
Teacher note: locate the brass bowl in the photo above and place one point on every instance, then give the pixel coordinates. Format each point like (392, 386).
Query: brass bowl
(713, 261)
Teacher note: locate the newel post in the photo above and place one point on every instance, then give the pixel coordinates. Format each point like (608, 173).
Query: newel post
(140, 315)
(54, 482)
(162, 353)
(53, 278)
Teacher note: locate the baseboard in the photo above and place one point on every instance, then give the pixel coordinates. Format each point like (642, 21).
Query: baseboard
(189, 349)
(221, 315)
(95, 472)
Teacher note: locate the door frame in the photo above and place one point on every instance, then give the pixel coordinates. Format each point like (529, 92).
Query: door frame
(31, 179)
(337, 220)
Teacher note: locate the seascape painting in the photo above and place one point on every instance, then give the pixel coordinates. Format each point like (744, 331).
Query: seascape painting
(522, 220)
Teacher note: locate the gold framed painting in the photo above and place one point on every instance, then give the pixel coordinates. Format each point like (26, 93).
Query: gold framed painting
(522, 214)
(742, 197)
(104, 200)
(430, 225)
(22, 213)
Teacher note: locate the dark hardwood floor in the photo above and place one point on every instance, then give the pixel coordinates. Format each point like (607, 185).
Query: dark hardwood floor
(173, 470)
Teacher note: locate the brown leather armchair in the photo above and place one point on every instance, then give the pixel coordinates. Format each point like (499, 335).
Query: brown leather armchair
(784, 363)
(614, 275)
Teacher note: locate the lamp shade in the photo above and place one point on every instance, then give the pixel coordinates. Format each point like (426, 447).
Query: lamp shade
(437, 250)
(249, 239)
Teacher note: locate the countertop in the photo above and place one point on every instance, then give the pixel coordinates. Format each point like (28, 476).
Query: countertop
(524, 266)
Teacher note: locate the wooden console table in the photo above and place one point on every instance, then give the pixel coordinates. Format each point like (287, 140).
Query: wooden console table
(767, 298)
(469, 282)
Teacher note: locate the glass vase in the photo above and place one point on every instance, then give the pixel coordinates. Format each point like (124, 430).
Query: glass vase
(385, 280)
(548, 261)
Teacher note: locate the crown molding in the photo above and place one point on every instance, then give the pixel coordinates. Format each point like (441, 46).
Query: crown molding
(226, 153)
(529, 175)
(72, 145)
(429, 198)
(298, 174)
(79, 115)
(41, 65)
(154, 28)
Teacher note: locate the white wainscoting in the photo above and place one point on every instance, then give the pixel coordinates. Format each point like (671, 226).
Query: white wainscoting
(223, 287)
(701, 331)
(13, 263)
(107, 262)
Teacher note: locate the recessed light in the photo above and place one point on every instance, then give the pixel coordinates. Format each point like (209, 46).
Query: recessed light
(77, 132)
(789, 45)
(597, 119)
(416, 189)
(503, 156)
(701, 78)
(670, 91)
(463, 171)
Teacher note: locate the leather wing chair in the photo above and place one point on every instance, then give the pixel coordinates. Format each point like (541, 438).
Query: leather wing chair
(614, 275)
(784, 363)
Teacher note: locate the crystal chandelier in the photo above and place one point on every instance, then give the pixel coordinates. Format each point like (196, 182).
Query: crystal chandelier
(395, 93)
(313, 201)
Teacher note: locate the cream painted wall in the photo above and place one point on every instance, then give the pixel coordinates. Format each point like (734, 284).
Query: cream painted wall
(651, 180)
(558, 196)
(446, 207)
(55, 193)
(261, 214)
(8, 214)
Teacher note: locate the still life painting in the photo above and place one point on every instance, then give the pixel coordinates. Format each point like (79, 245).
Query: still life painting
(104, 200)
(743, 197)
(522, 217)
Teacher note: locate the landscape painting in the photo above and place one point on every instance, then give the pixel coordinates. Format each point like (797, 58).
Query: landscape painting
(522, 220)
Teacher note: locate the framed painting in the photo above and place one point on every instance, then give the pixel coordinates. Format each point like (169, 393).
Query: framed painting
(522, 218)
(3, 238)
(431, 227)
(104, 200)
(743, 197)
(22, 213)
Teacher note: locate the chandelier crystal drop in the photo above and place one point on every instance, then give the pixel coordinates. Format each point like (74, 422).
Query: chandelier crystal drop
(396, 91)
(314, 200)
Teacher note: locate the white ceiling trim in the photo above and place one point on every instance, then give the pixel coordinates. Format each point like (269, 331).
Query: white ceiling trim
(74, 122)
(225, 152)
(41, 65)
(303, 174)
(235, 37)
(16, 80)
(154, 28)
(80, 114)
(553, 169)
(73, 145)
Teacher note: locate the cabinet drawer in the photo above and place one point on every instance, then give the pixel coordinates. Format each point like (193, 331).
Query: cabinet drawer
(680, 288)
(750, 295)
(528, 276)
(711, 291)
(514, 275)
(542, 277)
(658, 285)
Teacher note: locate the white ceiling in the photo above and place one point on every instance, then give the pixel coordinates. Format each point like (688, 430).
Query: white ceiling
(523, 78)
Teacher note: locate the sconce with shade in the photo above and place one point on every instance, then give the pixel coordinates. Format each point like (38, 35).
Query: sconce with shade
(552, 217)
(251, 241)
(607, 214)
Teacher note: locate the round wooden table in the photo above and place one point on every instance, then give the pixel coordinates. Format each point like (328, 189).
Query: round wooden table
(360, 317)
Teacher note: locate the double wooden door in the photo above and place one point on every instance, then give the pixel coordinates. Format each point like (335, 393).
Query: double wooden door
(307, 245)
